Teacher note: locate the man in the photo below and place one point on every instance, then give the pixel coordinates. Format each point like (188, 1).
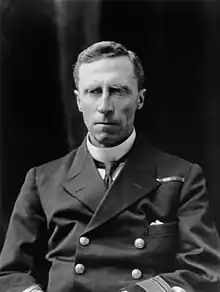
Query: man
(141, 223)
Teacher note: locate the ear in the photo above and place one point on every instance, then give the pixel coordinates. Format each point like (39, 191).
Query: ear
(76, 92)
(141, 97)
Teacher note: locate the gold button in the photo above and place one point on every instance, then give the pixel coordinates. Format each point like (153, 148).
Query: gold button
(79, 269)
(136, 274)
(84, 240)
(139, 243)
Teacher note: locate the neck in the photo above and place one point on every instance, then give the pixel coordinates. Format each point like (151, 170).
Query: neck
(113, 153)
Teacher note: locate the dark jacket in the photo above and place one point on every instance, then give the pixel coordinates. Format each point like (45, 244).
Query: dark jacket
(69, 234)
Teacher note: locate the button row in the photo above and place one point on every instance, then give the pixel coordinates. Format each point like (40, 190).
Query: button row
(139, 242)
(80, 269)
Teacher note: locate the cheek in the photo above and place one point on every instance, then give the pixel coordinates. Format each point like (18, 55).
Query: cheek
(87, 108)
(87, 112)
(128, 113)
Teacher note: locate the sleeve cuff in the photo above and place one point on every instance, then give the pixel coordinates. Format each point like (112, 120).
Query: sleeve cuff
(155, 284)
(33, 288)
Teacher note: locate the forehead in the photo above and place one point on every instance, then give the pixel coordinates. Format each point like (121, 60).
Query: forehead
(108, 70)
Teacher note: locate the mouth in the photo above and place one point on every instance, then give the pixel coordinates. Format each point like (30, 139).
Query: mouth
(107, 123)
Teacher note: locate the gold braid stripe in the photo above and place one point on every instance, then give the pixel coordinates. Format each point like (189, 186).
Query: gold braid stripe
(170, 179)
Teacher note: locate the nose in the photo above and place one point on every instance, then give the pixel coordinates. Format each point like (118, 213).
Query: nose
(104, 105)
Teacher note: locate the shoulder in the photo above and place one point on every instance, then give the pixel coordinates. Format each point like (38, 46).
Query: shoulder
(169, 165)
(165, 161)
(165, 164)
(56, 168)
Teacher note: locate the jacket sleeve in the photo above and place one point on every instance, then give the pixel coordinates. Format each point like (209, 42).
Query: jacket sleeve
(22, 261)
(198, 256)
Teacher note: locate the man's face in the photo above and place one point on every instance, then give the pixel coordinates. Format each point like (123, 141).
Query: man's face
(108, 97)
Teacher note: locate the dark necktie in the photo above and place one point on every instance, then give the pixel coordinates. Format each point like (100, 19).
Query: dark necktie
(109, 170)
(110, 167)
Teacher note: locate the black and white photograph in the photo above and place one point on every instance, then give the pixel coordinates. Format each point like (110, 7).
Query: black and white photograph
(109, 146)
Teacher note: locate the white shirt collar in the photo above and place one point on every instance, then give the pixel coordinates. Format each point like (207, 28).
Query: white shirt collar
(112, 153)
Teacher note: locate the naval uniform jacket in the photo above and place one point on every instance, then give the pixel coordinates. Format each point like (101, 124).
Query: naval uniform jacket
(68, 233)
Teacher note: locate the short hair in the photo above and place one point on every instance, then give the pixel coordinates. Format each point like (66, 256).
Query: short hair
(108, 49)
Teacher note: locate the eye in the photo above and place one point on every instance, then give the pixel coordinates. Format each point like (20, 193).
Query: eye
(119, 90)
(95, 91)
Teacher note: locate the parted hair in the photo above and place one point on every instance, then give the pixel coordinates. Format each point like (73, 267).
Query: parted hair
(108, 49)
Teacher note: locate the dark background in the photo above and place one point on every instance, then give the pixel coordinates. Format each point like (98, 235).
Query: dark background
(179, 45)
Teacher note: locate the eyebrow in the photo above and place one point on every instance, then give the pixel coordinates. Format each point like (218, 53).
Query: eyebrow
(119, 85)
(115, 85)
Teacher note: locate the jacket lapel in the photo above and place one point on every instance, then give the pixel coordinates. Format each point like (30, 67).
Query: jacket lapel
(135, 181)
(84, 181)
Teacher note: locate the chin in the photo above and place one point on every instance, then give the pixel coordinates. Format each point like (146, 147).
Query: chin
(105, 140)
(111, 141)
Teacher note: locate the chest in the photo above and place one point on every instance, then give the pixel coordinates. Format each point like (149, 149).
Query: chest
(68, 219)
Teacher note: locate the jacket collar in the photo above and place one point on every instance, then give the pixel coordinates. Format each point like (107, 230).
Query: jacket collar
(84, 181)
